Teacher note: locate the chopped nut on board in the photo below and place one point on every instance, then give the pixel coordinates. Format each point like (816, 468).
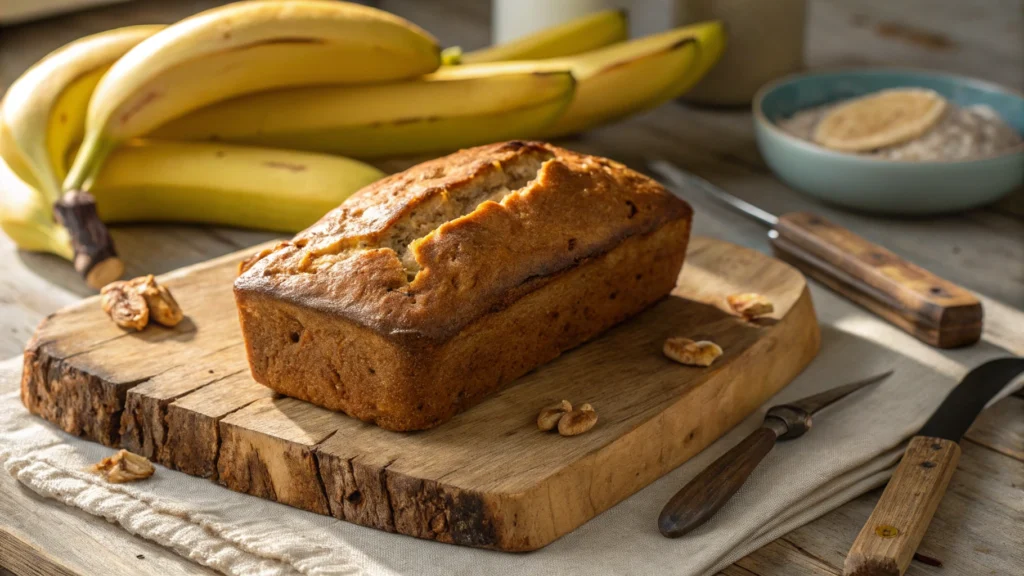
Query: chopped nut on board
(134, 303)
(686, 351)
(125, 306)
(163, 308)
(549, 417)
(123, 467)
(750, 305)
(577, 421)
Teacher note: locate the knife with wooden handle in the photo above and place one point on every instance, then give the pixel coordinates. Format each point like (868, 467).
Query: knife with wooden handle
(709, 490)
(886, 544)
(932, 309)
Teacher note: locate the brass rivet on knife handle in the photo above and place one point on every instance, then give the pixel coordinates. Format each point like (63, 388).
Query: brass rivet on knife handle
(886, 544)
(95, 258)
(932, 309)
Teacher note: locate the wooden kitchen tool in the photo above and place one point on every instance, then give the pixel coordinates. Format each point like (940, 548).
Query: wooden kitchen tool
(886, 544)
(930, 308)
(709, 490)
(489, 478)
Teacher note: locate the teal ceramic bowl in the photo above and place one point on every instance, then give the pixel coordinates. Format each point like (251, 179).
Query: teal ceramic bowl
(881, 185)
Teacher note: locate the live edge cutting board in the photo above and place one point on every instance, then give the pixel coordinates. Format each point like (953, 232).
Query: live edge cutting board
(184, 398)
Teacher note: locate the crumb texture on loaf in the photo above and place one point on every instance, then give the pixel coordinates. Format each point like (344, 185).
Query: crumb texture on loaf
(426, 252)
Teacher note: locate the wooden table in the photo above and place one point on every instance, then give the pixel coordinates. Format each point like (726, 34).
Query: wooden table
(980, 524)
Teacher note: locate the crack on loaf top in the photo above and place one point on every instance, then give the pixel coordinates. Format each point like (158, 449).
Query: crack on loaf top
(421, 254)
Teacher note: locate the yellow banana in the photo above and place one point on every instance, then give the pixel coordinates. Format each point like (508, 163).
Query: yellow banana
(239, 49)
(711, 38)
(460, 106)
(43, 111)
(429, 114)
(216, 183)
(573, 37)
(614, 81)
(27, 218)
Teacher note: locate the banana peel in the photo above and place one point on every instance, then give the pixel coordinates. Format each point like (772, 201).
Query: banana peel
(449, 109)
(244, 48)
(576, 36)
(223, 184)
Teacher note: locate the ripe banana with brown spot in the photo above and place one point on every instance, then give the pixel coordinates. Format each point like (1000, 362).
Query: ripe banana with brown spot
(224, 184)
(243, 48)
(439, 112)
(624, 78)
(465, 105)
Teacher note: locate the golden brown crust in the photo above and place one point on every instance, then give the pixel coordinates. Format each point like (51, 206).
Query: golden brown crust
(475, 263)
(413, 300)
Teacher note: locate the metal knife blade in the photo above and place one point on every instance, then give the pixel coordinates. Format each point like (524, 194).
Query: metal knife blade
(682, 179)
(962, 406)
(707, 492)
(887, 542)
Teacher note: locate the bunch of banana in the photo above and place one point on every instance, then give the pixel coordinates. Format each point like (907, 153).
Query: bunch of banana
(449, 109)
(42, 116)
(465, 105)
(109, 88)
(243, 48)
(224, 117)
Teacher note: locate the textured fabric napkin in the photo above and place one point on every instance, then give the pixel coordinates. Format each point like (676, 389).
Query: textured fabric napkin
(852, 448)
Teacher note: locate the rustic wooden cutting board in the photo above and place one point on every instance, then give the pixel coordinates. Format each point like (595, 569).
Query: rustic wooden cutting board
(184, 398)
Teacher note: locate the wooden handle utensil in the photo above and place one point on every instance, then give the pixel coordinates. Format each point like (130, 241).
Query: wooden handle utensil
(711, 489)
(934, 310)
(715, 485)
(887, 542)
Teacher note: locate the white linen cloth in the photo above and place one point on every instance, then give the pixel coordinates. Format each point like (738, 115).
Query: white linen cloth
(852, 448)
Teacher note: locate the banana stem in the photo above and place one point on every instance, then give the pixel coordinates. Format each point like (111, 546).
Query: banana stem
(94, 255)
(88, 161)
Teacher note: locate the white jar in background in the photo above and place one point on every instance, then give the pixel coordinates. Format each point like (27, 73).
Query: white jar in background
(514, 18)
(766, 41)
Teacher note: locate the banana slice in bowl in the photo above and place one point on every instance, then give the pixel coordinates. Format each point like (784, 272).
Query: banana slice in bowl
(881, 119)
(968, 152)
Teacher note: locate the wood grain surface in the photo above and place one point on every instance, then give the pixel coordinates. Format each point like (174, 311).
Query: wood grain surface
(932, 309)
(488, 478)
(979, 523)
(886, 544)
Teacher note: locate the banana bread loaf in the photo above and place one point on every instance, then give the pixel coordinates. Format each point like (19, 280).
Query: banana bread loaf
(428, 290)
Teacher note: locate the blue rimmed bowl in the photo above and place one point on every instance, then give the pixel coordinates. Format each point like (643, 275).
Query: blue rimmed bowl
(876, 184)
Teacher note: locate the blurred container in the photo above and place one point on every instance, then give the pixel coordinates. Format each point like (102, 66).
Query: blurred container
(766, 41)
(15, 11)
(515, 18)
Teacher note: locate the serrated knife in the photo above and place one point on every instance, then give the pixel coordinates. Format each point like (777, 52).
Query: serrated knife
(934, 310)
(886, 544)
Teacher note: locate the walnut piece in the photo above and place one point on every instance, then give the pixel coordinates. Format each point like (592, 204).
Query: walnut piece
(577, 421)
(690, 353)
(133, 303)
(549, 417)
(163, 308)
(750, 305)
(123, 467)
(125, 306)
